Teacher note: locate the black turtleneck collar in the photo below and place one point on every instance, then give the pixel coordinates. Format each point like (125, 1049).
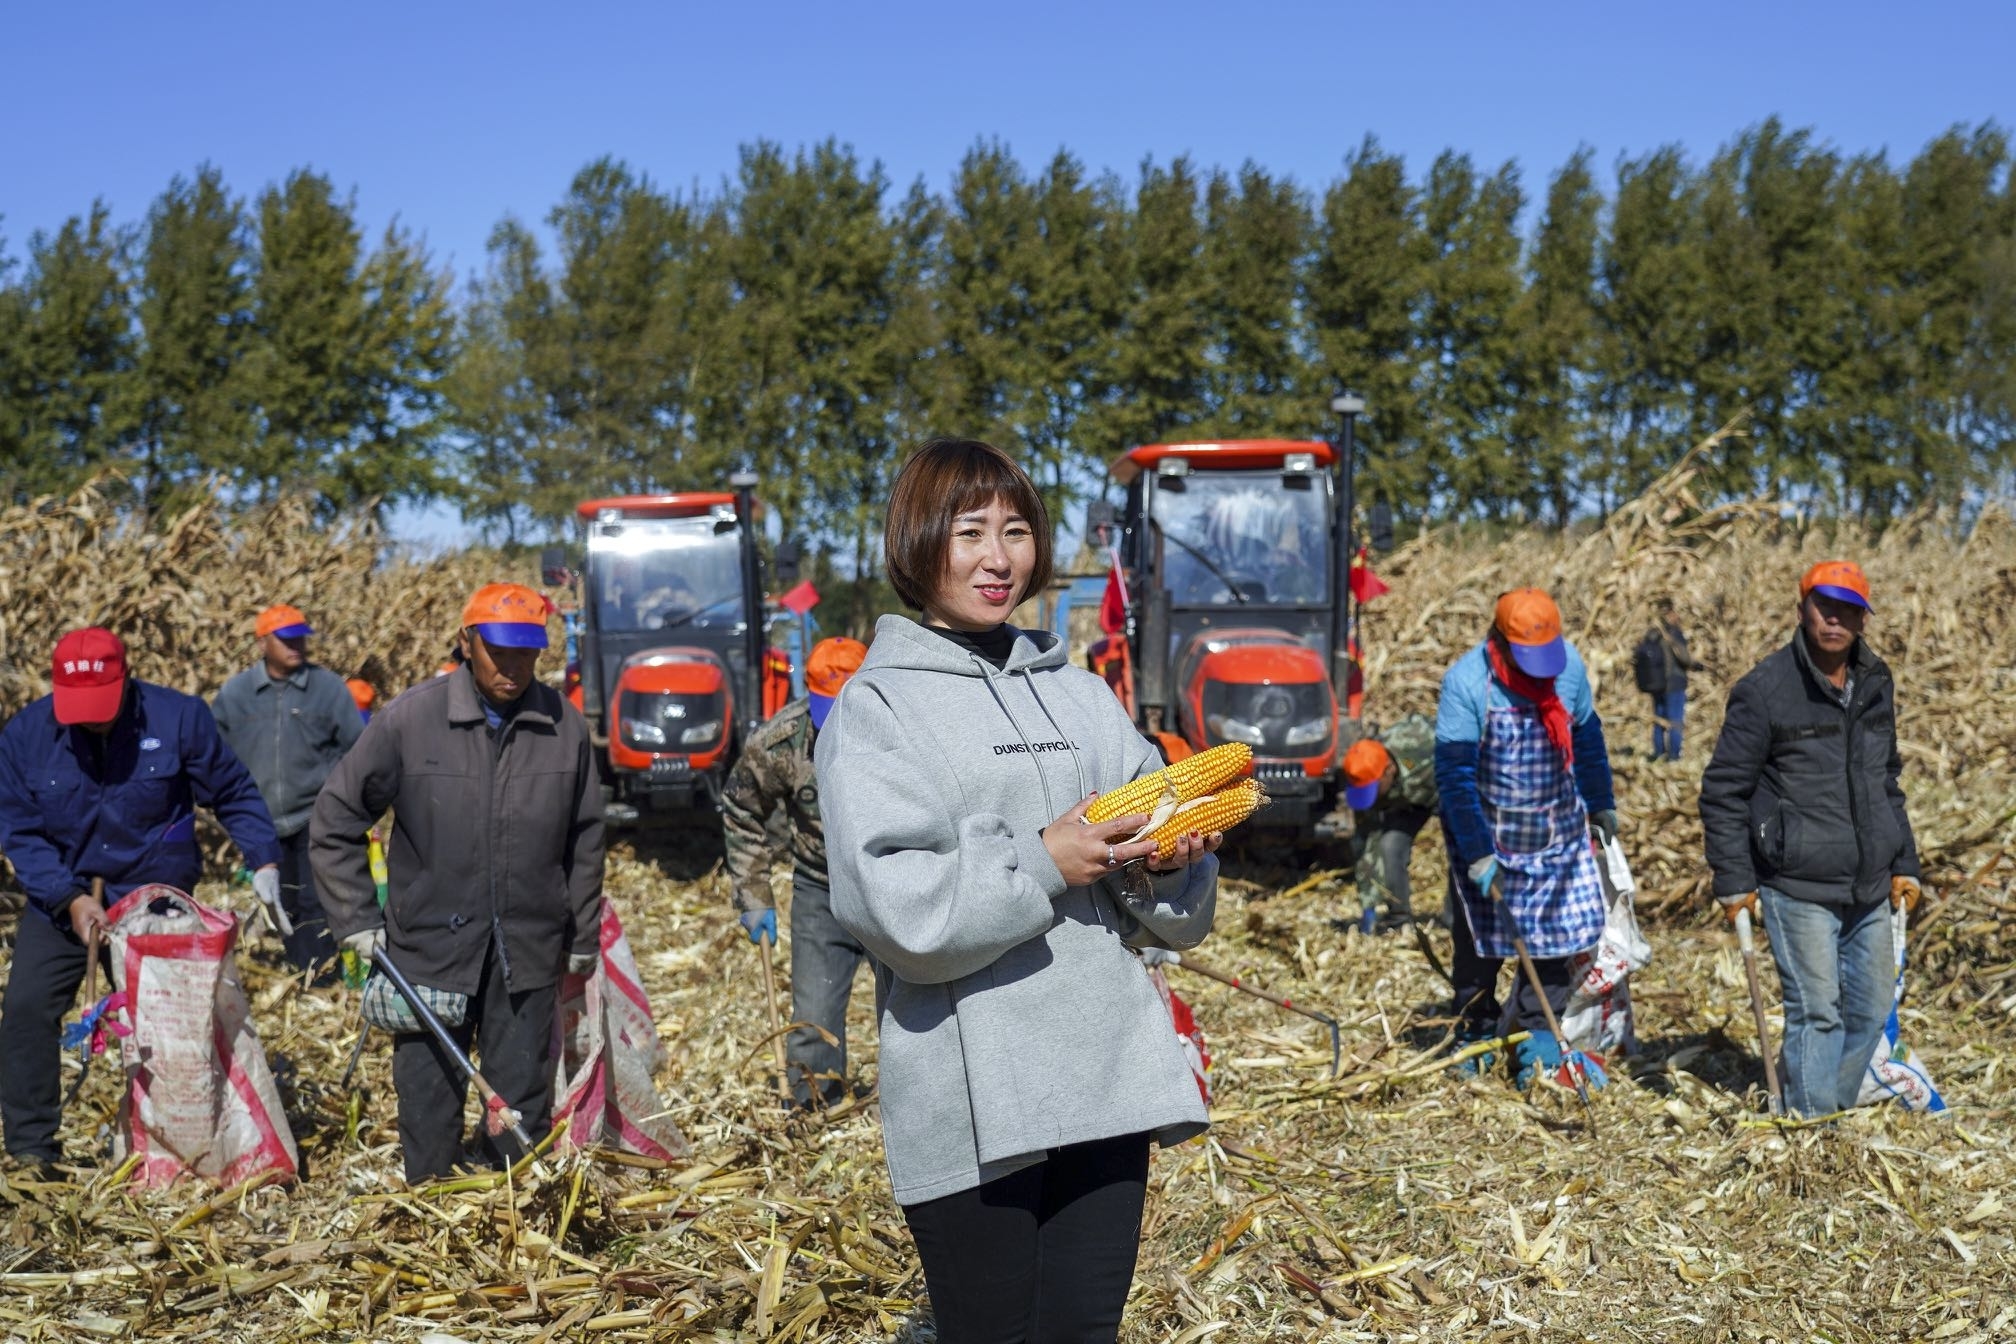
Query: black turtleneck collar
(993, 645)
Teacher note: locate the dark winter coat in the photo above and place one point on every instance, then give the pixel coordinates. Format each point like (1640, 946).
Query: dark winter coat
(1802, 793)
(496, 839)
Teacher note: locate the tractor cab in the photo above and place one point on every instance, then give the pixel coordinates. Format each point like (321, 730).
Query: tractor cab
(672, 648)
(1231, 553)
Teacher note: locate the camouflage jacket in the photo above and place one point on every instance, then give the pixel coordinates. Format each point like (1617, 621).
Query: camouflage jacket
(1411, 744)
(775, 771)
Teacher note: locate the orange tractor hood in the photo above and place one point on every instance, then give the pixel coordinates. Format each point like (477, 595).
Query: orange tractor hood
(1252, 658)
(671, 671)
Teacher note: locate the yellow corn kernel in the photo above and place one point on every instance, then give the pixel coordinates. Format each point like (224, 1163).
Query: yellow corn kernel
(1220, 811)
(1193, 777)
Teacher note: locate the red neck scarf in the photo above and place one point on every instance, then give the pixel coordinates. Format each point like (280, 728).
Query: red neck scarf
(1553, 714)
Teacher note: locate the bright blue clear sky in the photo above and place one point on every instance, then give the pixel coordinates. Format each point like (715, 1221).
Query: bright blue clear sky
(451, 116)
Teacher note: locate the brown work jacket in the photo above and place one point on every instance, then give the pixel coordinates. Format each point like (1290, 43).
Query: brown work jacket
(497, 840)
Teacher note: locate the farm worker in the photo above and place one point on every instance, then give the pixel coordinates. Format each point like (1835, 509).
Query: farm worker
(1026, 1060)
(495, 868)
(1803, 816)
(1524, 776)
(774, 774)
(1660, 665)
(363, 695)
(101, 779)
(1389, 783)
(290, 721)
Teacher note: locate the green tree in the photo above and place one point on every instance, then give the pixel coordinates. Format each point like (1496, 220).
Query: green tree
(192, 301)
(1160, 366)
(67, 337)
(344, 358)
(1363, 297)
(1466, 332)
(1257, 236)
(1555, 326)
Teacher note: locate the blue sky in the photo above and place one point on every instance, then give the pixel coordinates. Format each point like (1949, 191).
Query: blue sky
(451, 116)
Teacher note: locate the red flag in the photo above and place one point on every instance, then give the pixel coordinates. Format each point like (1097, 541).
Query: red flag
(1113, 605)
(1365, 585)
(801, 599)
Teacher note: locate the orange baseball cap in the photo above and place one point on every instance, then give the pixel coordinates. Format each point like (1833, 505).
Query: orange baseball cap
(826, 671)
(508, 615)
(363, 692)
(1842, 580)
(282, 620)
(88, 673)
(1531, 624)
(1364, 766)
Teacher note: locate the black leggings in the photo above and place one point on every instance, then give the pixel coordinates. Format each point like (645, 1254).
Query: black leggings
(1044, 1255)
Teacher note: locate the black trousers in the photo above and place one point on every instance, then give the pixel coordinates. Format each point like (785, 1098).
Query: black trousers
(513, 1036)
(1476, 982)
(824, 957)
(1044, 1255)
(42, 983)
(310, 943)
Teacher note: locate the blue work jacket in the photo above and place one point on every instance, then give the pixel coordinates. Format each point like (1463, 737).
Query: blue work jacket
(74, 806)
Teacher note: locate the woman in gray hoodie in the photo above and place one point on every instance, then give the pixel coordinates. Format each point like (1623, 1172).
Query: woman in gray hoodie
(1026, 1061)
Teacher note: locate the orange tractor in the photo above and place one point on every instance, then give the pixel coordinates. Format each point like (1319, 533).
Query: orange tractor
(669, 652)
(1237, 612)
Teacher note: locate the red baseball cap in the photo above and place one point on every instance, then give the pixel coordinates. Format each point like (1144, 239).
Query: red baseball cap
(89, 673)
(282, 620)
(1842, 580)
(826, 671)
(1531, 624)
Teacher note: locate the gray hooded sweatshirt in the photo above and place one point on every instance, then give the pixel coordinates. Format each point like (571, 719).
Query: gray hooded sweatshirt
(1014, 1019)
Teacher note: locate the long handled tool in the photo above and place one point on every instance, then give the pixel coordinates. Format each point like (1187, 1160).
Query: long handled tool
(1336, 1037)
(1746, 938)
(84, 1033)
(1578, 1066)
(499, 1117)
(776, 1024)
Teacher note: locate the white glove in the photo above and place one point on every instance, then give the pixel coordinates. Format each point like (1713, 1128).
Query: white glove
(1159, 956)
(366, 943)
(266, 886)
(582, 963)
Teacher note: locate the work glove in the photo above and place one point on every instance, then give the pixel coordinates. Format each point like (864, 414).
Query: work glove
(582, 963)
(1742, 900)
(1158, 956)
(760, 924)
(366, 943)
(266, 886)
(1906, 892)
(1605, 823)
(1484, 873)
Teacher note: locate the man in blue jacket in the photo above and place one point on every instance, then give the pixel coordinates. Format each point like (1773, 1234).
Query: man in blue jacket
(100, 780)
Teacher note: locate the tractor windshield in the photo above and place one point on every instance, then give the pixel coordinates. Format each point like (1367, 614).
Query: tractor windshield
(666, 573)
(1244, 538)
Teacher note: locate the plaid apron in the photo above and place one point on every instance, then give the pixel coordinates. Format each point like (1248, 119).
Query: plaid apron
(1540, 834)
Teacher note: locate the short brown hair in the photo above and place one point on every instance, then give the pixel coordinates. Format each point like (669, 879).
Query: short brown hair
(943, 479)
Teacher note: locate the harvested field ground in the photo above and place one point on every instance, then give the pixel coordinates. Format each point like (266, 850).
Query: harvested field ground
(1399, 1202)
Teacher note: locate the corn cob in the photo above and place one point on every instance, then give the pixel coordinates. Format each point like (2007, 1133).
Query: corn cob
(1191, 778)
(1220, 811)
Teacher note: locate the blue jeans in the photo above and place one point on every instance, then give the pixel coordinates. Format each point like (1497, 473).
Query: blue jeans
(1838, 972)
(1669, 713)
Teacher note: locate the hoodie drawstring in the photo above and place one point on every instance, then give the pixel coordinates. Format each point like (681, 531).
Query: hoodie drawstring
(1028, 747)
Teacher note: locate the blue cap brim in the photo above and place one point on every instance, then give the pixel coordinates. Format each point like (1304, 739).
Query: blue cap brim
(512, 634)
(1848, 595)
(822, 705)
(293, 631)
(1541, 660)
(1358, 797)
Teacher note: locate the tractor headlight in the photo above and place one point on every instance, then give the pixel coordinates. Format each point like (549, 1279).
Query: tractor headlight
(1228, 729)
(643, 734)
(1310, 734)
(700, 733)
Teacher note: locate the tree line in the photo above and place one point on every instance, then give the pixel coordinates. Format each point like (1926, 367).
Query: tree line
(1527, 354)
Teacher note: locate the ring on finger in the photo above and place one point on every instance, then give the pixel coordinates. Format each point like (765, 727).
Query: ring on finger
(1111, 861)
